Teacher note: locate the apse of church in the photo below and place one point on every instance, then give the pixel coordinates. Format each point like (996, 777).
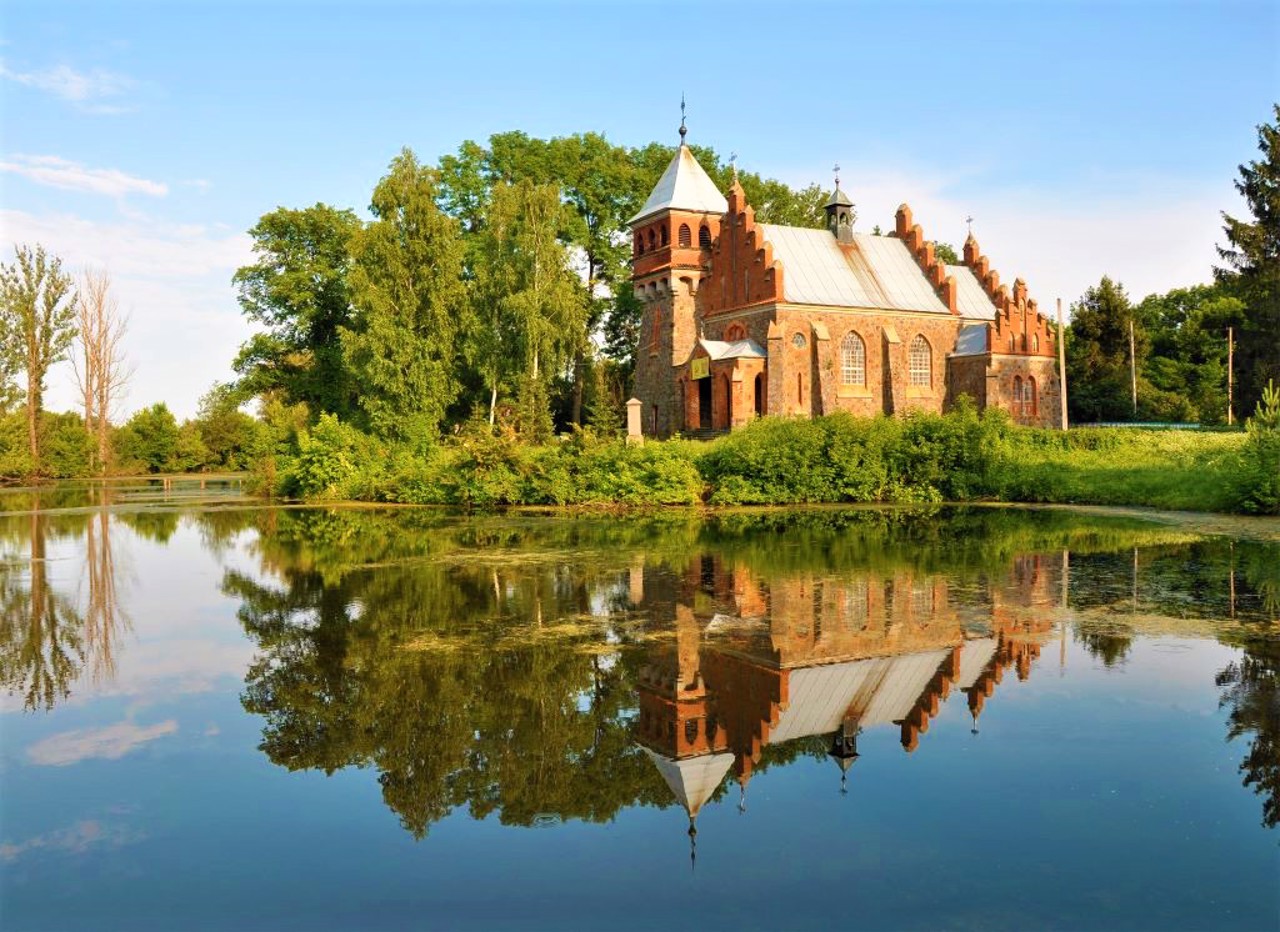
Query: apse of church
(744, 319)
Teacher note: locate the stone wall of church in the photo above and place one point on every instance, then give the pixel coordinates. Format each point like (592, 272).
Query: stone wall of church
(1046, 411)
(668, 332)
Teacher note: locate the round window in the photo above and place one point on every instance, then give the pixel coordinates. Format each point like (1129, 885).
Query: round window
(798, 341)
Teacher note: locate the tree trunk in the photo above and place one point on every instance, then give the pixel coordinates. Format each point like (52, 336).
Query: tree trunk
(33, 420)
(493, 402)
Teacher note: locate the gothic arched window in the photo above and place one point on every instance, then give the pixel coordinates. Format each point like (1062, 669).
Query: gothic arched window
(685, 236)
(704, 236)
(663, 234)
(653, 241)
(920, 362)
(853, 360)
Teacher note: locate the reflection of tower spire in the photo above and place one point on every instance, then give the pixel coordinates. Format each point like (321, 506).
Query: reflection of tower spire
(742, 794)
(693, 843)
(844, 749)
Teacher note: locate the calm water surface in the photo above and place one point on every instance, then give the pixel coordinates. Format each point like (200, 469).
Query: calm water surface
(218, 715)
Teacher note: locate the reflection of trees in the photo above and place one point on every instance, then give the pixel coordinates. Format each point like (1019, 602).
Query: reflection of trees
(104, 617)
(41, 643)
(414, 667)
(1104, 643)
(1251, 690)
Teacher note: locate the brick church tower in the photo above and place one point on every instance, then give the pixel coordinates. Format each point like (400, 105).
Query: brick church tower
(672, 237)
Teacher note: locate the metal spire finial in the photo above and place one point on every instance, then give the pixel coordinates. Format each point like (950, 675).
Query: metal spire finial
(969, 221)
(733, 164)
(683, 129)
(836, 169)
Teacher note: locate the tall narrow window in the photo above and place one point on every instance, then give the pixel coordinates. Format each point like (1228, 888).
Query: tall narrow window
(639, 244)
(685, 236)
(853, 360)
(1035, 344)
(662, 232)
(1029, 397)
(704, 236)
(653, 241)
(920, 362)
(1017, 396)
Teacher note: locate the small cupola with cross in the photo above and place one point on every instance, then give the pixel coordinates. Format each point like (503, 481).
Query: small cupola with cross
(840, 214)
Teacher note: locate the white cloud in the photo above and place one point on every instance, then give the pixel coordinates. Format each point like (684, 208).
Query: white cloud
(111, 743)
(57, 172)
(175, 283)
(88, 90)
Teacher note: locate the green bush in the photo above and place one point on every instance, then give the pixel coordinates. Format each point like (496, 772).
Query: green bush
(333, 461)
(148, 441)
(1259, 489)
(66, 449)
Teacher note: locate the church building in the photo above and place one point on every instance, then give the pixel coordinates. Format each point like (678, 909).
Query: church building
(745, 319)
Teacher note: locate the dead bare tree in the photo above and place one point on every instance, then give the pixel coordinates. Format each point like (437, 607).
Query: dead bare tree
(101, 371)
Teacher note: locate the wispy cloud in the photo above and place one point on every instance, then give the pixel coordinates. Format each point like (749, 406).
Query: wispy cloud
(77, 839)
(94, 91)
(112, 743)
(57, 172)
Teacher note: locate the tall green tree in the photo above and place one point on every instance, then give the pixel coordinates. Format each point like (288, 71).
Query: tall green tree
(1188, 354)
(409, 299)
(1098, 354)
(1252, 265)
(298, 290)
(531, 308)
(39, 325)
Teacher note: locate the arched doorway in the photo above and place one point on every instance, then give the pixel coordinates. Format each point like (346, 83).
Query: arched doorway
(704, 404)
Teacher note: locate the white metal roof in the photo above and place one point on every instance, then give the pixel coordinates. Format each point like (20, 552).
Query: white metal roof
(974, 657)
(971, 297)
(683, 186)
(876, 691)
(692, 779)
(877, 272)
(972, 340)
(719, 349)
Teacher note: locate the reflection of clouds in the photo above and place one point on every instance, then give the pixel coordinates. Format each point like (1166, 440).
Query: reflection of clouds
(161, 670)
(112, 743)
(79, 838)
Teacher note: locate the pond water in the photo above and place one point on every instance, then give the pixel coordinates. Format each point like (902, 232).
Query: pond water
(222, 715)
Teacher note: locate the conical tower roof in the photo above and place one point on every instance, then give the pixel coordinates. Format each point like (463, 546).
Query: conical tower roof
(683, 186)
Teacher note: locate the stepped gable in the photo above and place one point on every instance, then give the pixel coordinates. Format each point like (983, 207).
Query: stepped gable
(1015, 326)
(935, 270)
(743, 268)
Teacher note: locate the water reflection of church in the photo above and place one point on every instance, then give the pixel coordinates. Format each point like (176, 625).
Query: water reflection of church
(758, 662)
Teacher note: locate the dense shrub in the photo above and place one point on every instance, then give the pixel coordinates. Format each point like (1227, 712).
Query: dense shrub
(148, 441)
(332, 461)
(1259, 488)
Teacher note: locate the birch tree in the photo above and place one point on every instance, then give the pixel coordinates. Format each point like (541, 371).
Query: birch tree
(39, 325)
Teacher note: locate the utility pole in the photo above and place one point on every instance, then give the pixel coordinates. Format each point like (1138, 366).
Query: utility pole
(1133, 369)
(1230, 386)
(1062, 365)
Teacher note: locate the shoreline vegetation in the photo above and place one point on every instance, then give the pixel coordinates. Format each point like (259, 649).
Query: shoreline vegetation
(834, 459)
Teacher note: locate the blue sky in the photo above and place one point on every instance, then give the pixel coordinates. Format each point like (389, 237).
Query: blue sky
(1084, 138)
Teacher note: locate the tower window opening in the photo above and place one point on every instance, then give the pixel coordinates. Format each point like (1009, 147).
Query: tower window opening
(663, 235)
(685, 236)
(704, 236)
